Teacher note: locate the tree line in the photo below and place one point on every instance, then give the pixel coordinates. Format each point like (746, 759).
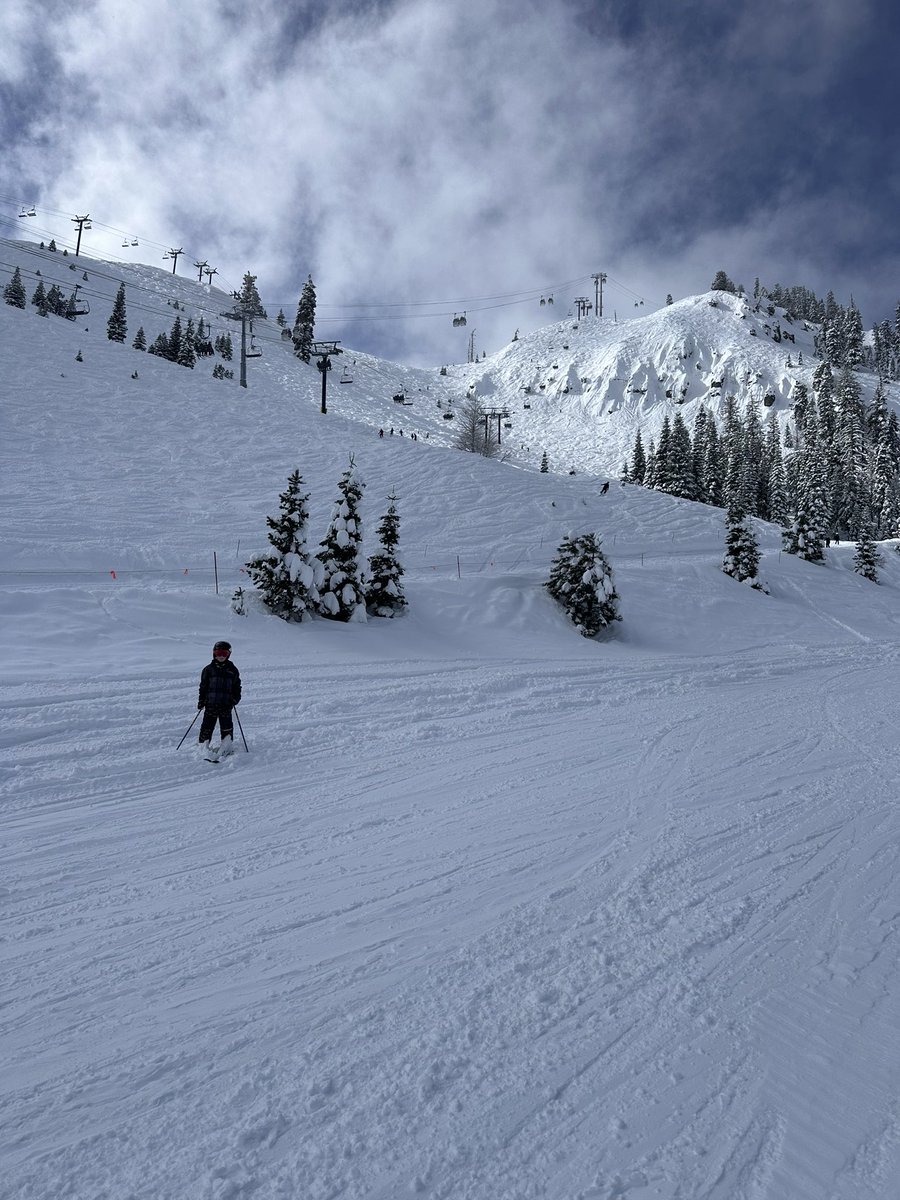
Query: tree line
(838, 459)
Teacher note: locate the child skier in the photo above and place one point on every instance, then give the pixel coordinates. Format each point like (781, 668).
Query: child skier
(220, 690)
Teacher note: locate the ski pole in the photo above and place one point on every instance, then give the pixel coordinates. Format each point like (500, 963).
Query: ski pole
(189, 728)
(241, 728)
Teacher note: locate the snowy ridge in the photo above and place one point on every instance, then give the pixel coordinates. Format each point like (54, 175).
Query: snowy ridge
(489, 911)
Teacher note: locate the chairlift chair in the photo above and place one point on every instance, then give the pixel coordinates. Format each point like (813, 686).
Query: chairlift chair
(253, 351)
(346, 377)
(77, 308)
(543, 301)
(126, 243)
(134, 241)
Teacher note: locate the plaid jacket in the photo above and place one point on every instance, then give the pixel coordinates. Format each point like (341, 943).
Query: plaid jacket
(220, 685)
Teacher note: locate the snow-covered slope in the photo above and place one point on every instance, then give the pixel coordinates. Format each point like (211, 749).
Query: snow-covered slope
(488, 911)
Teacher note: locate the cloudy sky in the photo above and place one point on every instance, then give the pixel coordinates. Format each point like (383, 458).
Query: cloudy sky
(422, 158)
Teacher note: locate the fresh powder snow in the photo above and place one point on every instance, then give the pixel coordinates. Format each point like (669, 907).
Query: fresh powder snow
(489, 911)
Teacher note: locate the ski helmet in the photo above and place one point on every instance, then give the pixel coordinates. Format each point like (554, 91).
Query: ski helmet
(222, 648)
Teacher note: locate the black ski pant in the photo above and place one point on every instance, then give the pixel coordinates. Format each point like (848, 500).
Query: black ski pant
(208, 724)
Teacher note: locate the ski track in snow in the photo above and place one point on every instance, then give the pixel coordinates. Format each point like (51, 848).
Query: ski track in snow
(595, 963)
(487, 912)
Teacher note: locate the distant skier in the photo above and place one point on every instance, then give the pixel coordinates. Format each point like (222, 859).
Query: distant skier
(605, 488)
(220, 691)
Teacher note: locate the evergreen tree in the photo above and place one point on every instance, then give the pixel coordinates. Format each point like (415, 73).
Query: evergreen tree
(384, 592)
(803, 539)
(303, 334)
(286, 575)
(342, 584)
(742, 555)
(39, 299)
(176, 336)
(638, 461)
(581, 580)
(187, 354)
(800, 405)
(661, 470)
(778, 492)
(721, 283)
(160, 346)
(281, 319)
(116, 326)
(545, 465)
(867, 558)
(710, 482)
(140, 340)
(227, 350)
(56, 302)
(849, 483)
(853, 336)
(14, 292)
(249, 300)
(681, 479)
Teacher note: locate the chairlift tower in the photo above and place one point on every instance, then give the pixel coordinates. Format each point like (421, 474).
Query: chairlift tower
(173, 254)
(471, 353)
(82, 223)
(599, 279)
(324, 351)
(240, 312)
(209, 272)
(498, 415)
(201, 267)
(583, 305)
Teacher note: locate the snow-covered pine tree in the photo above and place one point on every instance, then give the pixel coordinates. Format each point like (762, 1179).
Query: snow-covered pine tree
(681, 479)
(39, 299)
(286, 576)
(303, 333)
(853, 336)
(721, 283)
(384, 591)
(176, 336)
(802, 538)
(249, 299)
(545, 464)
(187, 354)
(140, 340)
(14, 292)
(742, 555)
(56, 301)
(341, 576)
(638, 468)
(867, 558)
(581, 580)
(117, 326)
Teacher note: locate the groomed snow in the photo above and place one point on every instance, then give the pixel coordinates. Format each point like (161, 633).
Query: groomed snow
(488, 911)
